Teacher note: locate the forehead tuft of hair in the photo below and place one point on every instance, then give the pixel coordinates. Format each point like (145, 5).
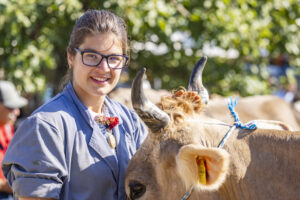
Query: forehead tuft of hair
(181, 104)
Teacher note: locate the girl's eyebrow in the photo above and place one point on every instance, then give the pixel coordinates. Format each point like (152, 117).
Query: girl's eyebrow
(89, 49)
(95, 51)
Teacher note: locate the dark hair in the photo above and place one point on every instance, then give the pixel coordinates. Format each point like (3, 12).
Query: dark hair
(93, 22)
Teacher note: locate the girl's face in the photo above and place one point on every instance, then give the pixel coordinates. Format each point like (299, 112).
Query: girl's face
(92, 83)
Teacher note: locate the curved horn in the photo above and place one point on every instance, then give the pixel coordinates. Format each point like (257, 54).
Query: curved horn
(153, 117)
(195, 83)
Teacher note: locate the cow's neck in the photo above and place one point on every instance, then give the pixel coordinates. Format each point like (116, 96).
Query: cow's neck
(265, 162)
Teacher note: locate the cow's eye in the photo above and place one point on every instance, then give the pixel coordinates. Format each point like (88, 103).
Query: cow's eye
(136, 189)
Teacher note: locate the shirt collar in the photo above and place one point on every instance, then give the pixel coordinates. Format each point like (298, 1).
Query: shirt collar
(84, 110)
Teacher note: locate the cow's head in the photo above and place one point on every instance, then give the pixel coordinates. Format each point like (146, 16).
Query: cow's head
(171, 160)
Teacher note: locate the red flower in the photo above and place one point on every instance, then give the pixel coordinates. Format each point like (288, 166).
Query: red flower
(113, 122)
(108, 122)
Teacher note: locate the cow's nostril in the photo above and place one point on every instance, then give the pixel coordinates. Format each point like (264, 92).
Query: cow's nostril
(136, 189)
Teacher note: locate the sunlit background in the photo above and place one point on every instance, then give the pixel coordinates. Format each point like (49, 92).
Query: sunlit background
(253, 46)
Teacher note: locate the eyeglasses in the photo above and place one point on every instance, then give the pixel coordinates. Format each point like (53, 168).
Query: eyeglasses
(93, 59)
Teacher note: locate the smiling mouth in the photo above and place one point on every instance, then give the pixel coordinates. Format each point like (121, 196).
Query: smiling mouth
(100, 79)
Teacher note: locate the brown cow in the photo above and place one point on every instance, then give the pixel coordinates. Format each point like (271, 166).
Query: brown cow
(181, 152)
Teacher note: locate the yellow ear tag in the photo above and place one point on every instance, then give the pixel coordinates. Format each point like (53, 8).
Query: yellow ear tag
(201, 170)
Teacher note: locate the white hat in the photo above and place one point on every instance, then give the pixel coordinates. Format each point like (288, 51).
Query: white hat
(10, 97)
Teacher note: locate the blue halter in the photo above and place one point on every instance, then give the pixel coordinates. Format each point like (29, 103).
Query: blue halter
(188, 194)
(237, 124)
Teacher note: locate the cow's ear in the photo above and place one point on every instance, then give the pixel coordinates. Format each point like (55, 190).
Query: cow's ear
(201, 167)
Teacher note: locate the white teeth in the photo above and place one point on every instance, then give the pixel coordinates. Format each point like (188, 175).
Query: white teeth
(100, 79)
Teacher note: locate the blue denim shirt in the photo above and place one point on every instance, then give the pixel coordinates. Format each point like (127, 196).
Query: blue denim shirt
(59, 151)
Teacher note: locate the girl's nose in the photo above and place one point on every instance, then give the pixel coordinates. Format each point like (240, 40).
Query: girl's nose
(103, 65)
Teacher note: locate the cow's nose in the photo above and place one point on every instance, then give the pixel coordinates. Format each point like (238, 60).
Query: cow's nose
(136, 189)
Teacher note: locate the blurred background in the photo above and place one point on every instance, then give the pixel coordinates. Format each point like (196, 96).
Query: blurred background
(253, 46)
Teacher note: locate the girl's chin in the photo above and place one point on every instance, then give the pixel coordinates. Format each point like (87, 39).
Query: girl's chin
(103, 91)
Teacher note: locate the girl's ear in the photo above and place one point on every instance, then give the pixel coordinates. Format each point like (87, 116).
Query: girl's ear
(70, 59)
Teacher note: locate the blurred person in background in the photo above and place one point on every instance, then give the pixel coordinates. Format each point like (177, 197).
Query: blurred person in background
(283, 78)
(78, 144)
(10, 102)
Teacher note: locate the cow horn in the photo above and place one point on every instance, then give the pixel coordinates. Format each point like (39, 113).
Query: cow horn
(195, 83)
(153, 117)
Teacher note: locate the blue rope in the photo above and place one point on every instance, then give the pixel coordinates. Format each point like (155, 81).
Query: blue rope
(237, 123)
(232, 105)
(187, 195)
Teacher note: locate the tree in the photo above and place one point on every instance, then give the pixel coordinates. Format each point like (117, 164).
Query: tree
(32, 49)
(246, 28)
(167, 37)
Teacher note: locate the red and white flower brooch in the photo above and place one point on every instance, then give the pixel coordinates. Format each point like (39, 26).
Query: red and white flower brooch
(109, 123)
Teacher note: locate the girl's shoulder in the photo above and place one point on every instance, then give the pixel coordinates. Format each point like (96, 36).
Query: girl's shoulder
(55, 111)
(56, 103)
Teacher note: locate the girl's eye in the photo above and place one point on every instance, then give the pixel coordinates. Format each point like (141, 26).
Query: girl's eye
(115, 58)
(91, 55)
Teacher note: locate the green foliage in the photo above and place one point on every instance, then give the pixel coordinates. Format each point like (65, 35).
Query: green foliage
(166, 37)
(34, 38)
(249, 27)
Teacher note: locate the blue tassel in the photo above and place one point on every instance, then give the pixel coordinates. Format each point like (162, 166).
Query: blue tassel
(232, 105)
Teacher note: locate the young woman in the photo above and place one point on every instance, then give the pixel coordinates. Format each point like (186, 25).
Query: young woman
(64, 150)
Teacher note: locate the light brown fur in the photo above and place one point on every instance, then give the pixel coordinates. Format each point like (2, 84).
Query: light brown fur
(264, 164)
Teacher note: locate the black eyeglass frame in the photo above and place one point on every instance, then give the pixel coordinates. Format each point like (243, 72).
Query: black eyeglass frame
(103, 56)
